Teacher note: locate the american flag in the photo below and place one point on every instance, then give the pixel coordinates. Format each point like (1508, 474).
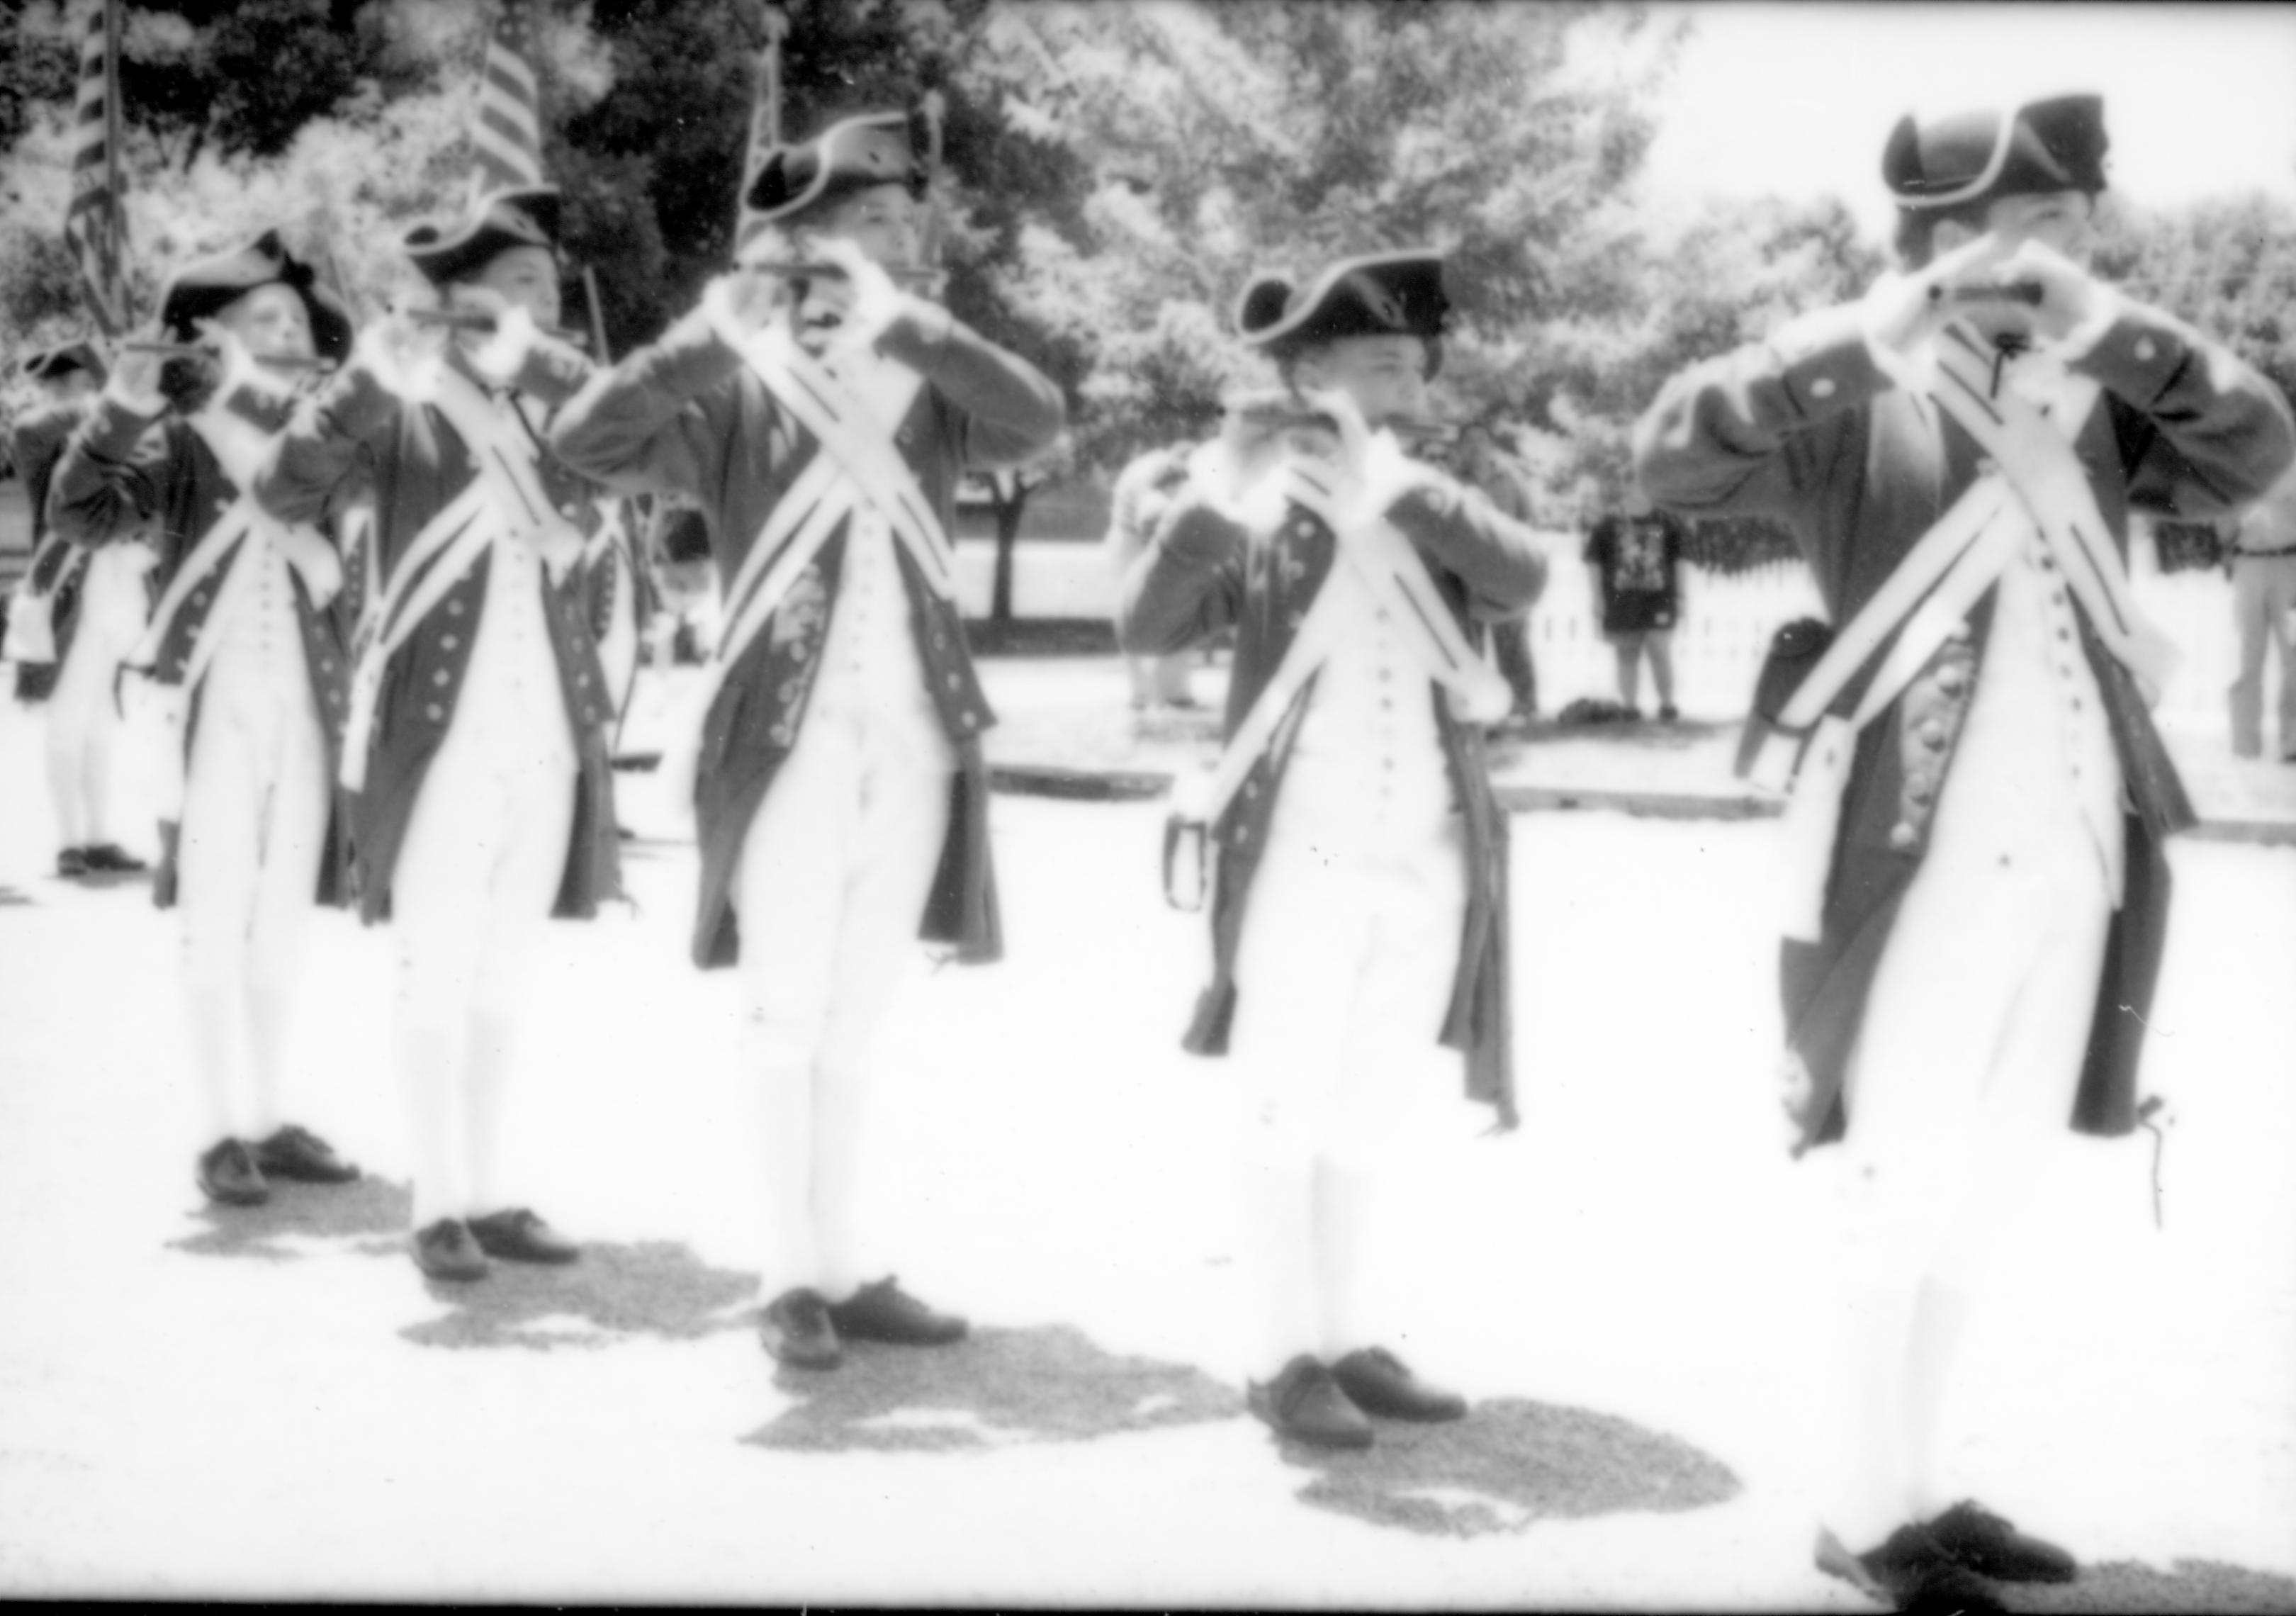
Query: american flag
(95, 224)
(765, 122)
(507, 137)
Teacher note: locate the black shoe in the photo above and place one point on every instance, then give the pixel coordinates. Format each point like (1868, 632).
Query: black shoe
(1980, 1541)
(515, 1235)
(446, 1250)
(797, 1331)
(1305, 1403)
(71, 864)
(1912, 1571)
(1669, 714)
(110, 858)
(298, 1154)
(884, 1312)
(1377, 1382)
(228, 1174)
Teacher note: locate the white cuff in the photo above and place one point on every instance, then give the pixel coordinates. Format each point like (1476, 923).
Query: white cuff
(502, 355)
(717, 312)
(416, 383)
(2111, 308)
(147, 404)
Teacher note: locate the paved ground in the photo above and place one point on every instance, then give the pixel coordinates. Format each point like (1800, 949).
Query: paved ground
(276, 1405)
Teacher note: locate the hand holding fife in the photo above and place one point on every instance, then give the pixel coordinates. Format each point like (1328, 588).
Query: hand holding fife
(749, 300)
(2069, 296)
(1901, 311)
(135, 379)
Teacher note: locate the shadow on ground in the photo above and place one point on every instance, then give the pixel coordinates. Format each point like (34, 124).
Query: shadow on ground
(996, 1389)
(2190, 1585)
(1508, 1465)
(656, 1288)
(354, 1216)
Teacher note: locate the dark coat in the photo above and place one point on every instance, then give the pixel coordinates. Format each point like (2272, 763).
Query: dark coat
(127, 475)
(357, 436)
(687, 417)
(57, 567)
(1204, 571)
(1807, 429)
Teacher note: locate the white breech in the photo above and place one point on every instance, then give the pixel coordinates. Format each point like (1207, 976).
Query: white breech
(1343, 974)
(253, 832)
(1967, 1065)
(479, 870)
(83, 717)
(832, 888)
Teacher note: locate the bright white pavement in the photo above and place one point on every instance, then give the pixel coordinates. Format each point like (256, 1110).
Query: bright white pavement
(279, 1407)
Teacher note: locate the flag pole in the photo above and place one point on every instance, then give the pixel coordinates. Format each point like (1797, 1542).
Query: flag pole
(118, 206)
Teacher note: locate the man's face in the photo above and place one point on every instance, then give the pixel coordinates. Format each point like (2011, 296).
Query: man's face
(882, 221)
(1381, 373)
(271, 323)
(2057, 219)
(526, 277)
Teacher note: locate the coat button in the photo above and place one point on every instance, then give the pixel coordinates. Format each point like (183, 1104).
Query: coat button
(1823, 388)
(439, 677)
(447, 642)
(2146, 347)
(1951, 678)
(434, 712)
(1931, 734)
(1902, 836)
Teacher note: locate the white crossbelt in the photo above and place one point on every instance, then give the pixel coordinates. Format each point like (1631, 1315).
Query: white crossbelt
(1391, 567)
(2037, 491)
(856, 465)
(242, 450)
(505, 499)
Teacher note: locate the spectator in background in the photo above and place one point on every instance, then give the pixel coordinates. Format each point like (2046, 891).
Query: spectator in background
(1481, 465)
(1143, 488)
(2263, 562)
(1637, 558)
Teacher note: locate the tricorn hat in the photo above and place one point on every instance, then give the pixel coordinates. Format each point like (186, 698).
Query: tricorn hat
(54, 364)
(204, 288)
(1380, 294)
(2057, 144)
(495, 223)
(875, 149)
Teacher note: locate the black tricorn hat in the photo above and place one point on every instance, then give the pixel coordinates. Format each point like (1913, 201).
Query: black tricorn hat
(2057, 144)
(54, 364)
(874, 149)
(1377, 295)
(204, 288)
(495, 223)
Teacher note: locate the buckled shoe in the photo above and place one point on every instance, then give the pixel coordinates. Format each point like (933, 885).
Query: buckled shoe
(1377, 1382)
(1305, 1403)
(227, 1173)
(515, 1235)
(797, 1332)
(446, 1249)
(1911, 1571)
(884, 1312)
(1980, 1541)
(298, 1154)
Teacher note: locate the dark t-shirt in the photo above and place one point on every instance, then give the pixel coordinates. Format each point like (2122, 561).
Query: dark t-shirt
(1641, 558)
